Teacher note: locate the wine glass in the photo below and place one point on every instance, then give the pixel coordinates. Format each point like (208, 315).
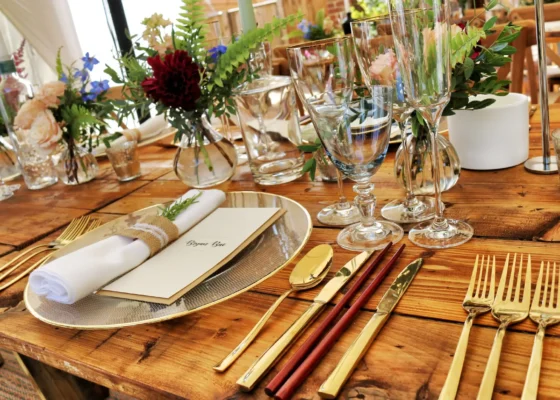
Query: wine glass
(353, 124)
(375, 52)
(342, 212)
(421, 31)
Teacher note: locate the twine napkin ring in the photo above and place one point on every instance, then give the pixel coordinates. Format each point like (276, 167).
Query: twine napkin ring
(132, 134)
(156, 231)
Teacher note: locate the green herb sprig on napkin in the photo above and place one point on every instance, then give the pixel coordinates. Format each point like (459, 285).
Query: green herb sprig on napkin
(172, 211)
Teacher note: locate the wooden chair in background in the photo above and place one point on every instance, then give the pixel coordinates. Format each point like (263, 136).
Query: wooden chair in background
(470, 14)
(551, 13)
(218, 25)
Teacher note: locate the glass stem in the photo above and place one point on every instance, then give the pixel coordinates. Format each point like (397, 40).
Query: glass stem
(439, 222)
(343, 203)
(410, 199)
(365, 201)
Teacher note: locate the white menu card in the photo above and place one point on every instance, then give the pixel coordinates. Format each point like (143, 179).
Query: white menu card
(194, 256)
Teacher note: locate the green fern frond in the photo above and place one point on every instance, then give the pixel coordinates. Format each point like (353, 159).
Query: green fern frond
(463, 43)
(76, 117)
(191, 27)
(238, 52)
(59, 70)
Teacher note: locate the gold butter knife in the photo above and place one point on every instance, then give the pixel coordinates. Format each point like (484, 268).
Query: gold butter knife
(330, 388)
(271, 356)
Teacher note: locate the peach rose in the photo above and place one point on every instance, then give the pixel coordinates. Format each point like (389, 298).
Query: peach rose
(384, 68)
(45, 131)
(28, 113)
(50, 92)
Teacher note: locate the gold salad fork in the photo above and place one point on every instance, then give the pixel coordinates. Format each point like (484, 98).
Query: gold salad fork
(544, 313)
(476, 302)
(508, 311)
(75, 233)
(72, 231)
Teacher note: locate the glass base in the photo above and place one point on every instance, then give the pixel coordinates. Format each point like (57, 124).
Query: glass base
(7, 191)
(430, 236)
(339, 215)
(422, 210)
(360, 238)
(241, 154)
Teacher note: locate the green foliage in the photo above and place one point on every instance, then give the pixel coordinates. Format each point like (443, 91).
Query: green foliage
(172, 211)
(238, 52)
(78, 116)
(463, 43)
(192, 29)
(369, 8)
(311, 164)
(59, 70)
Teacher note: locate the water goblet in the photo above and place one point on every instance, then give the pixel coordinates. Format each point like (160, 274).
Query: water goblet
(375, 53)
(422, 34)
(353, 124)
(342, 212)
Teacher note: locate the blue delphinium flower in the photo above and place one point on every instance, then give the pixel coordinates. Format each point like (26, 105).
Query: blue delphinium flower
(89, 62)
(64, 78)
(216, 52)
(98, 87)
(83, 74)
(304, 26)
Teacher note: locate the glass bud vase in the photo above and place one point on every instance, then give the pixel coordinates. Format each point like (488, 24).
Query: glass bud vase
(205, 160)
(421, 164)
(75, 165)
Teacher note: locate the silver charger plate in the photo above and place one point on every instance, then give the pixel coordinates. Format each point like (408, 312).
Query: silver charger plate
(265, 256)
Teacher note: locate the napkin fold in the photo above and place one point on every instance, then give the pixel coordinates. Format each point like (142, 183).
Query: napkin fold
(78, 274)
(146, 130)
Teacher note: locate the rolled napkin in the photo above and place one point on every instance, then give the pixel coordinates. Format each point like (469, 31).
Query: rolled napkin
(146, 130)
(76, 275)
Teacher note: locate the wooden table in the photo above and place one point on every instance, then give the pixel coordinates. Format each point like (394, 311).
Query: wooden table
(511, 211)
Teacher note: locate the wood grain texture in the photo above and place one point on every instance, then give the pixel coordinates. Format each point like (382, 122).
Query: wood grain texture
(511, 211)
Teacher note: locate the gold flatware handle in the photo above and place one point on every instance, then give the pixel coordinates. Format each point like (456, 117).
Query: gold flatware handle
(330, 388)
(489, 378)
(449, 391)
(9, 271)
(24, 273)
(532, 380)
(20, 255)
(231, 357)
(250, 378)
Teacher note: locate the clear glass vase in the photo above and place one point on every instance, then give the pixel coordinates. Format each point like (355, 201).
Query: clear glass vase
(9, 168)
(207, 160)
(75, 165)
(421, 164)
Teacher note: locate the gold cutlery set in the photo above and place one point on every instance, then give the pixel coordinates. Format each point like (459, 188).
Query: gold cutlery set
(511, 304)
(74, 230)
(323, 338)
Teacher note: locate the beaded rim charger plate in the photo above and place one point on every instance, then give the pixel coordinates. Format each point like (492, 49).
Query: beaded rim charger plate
(266, 255)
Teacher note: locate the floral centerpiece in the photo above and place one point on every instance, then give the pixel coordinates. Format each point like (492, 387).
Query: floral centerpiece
(190, 81)
(65, 115)
(323, 28)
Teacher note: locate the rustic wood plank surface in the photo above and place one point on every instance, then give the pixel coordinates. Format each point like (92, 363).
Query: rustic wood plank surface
(511, 211)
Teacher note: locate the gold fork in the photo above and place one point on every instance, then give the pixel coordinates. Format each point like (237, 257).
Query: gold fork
(544, 315)
(476, 302)
(76, 226)
(94, 224)
(508, 312)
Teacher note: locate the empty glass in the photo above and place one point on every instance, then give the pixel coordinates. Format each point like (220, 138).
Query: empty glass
(354, 125)
(307, 65)
(124, 159)
(267, 112)
(375, 52)
(421, 31)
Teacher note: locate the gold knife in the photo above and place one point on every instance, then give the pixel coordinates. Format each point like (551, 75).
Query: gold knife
(272, 355)
(330, 388)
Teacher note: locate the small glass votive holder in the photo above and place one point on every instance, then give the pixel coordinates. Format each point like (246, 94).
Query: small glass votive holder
(556, 140)
(124, 159)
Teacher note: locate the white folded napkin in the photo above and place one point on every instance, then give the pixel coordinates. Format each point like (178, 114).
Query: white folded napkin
(146, 130)
(78, 274)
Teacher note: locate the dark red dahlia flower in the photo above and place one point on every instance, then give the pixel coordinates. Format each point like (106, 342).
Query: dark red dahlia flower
(175, 82)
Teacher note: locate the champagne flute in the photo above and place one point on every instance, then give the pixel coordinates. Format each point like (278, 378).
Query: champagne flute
(375, 52)
(421, 31)
(353, 124)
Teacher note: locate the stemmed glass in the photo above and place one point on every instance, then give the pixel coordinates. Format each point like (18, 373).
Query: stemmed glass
(353, 124)
(421, 30)
(375, 52)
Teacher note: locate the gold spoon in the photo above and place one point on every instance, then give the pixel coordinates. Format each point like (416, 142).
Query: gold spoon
(307, 273)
